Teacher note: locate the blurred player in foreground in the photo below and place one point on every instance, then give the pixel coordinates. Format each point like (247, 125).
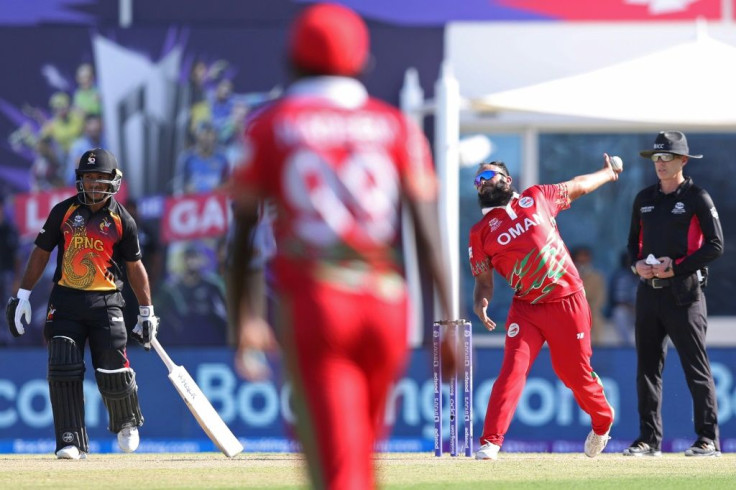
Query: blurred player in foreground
(336, 164)
(518, 237)
(95, 237)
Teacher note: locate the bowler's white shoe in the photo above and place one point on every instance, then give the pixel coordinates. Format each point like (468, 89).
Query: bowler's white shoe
(595, 444)
(70, 452)
(488, 451)
(128, 439)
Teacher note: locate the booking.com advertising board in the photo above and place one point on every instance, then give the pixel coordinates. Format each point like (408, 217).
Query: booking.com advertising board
(546, 420)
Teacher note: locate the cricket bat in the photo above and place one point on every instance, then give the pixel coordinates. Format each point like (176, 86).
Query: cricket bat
(199, 405)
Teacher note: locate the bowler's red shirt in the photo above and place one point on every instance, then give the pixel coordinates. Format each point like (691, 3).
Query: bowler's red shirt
(521, 241)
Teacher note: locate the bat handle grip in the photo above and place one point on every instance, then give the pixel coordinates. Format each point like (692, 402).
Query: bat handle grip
(162, 354)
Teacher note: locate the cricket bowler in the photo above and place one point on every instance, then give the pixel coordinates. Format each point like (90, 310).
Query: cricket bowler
(518, 237)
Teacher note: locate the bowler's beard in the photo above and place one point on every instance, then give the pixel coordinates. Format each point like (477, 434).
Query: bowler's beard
(498, 194)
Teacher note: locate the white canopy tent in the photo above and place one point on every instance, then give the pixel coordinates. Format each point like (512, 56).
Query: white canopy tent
(527, 78)
(689, 84)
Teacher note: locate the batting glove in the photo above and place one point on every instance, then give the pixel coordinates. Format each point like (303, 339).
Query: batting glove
(18, 308)
(147, 326)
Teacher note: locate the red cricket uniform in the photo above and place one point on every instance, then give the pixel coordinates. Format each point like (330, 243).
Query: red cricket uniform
(521, 241)
(335, 163)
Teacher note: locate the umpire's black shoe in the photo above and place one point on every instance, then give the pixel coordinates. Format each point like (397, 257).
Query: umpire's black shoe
(702, 448)
(639, 448)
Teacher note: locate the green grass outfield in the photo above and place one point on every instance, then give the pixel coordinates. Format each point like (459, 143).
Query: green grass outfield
(396, 470)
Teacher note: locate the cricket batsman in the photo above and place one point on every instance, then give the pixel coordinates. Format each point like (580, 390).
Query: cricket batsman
(95, 238)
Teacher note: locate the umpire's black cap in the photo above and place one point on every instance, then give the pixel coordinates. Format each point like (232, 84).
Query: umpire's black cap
(670, 142)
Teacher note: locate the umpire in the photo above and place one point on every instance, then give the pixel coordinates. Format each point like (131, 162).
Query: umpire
(95, 236)
(675, 233)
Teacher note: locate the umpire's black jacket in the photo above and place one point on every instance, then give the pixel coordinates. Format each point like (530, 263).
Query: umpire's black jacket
(682, 225)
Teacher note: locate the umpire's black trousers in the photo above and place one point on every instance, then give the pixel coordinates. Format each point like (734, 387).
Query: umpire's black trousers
(658, 316)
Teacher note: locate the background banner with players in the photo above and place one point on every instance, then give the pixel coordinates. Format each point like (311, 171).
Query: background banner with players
(195, 216)
(547, 418)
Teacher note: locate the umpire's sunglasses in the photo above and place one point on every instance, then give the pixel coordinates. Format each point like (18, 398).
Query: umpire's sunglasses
(486, 175)
(665, 157)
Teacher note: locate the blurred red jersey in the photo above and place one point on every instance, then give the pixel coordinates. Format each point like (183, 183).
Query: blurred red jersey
(333, 161)
(521, 241)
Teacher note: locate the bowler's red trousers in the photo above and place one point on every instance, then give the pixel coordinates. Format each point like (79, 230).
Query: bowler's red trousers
(344, 348)
(565, 326)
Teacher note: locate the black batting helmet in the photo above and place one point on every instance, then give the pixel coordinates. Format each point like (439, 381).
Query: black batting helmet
(102, 161)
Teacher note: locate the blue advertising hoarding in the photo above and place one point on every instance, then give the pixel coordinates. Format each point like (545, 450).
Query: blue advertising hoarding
(546, 420)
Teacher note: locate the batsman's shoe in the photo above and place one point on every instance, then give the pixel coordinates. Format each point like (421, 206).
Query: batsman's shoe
(488, 451)
(703, 448)
(128, 439)
(639, 449)
(595, 444)
(70, 452)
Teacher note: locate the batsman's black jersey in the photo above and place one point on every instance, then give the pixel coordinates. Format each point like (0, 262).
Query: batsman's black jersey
(682, 225)
(92, 246)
